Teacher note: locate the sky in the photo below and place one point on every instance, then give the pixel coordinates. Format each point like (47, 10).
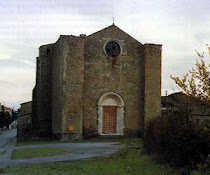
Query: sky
(181, 26)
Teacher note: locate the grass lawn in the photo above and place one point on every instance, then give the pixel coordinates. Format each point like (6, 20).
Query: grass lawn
(51, 142)
(38, 152)
(129, 161)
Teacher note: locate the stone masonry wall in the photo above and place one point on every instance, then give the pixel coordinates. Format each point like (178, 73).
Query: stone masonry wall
(57, 105)
(26, 108)
(44, 110)
(36, 100)
(70, 92)
(35, 121)
(74, 72)
(123, 77)
(152, 78)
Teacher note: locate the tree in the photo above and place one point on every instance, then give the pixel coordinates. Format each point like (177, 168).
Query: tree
(196, 83)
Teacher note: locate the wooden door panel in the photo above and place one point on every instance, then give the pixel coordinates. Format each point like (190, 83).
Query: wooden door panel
(109, 119)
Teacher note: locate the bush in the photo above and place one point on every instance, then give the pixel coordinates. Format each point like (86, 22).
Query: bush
(177, 140)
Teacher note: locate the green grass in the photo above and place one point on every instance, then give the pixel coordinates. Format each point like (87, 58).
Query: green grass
(129, 161)
(1, 153)
(38, 152)
(22, 143)
(195, 173)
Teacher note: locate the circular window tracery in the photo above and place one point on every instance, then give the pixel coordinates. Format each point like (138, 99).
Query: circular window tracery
(112, 49)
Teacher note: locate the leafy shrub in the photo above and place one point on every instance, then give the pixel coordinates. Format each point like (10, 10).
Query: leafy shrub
(177, 140)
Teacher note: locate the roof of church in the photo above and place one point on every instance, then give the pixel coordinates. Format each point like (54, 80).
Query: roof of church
(113, 26)
(84, 36)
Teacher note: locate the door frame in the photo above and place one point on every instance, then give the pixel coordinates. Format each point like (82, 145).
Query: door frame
(111, 99)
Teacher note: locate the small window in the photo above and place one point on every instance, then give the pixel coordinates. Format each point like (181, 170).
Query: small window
(48, 50)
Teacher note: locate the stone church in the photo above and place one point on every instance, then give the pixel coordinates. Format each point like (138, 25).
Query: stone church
(107, 83)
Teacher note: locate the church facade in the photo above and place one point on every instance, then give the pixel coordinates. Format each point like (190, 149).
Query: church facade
(107, 83)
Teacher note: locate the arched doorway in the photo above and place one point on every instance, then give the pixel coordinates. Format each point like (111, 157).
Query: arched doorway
(110, 114)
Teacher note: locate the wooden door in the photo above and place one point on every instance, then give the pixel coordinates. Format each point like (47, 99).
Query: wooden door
(109, 119)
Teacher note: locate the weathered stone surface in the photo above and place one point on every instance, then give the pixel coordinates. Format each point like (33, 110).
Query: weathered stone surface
(74, 73)
(152, 78)
(24, 121)
(26, 108)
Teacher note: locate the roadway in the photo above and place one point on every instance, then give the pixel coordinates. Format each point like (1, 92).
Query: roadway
(6, 137)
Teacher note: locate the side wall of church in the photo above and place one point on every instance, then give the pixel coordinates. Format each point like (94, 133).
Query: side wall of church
(57, 104)
(152, 78)
(123, 77)
(44, 91)
(68, 90)
(35, 120)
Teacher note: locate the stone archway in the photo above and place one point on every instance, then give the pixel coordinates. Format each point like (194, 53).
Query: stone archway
(110, 114)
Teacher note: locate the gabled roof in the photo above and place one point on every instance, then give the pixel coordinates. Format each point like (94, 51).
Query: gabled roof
(183, 101)
(113, 26)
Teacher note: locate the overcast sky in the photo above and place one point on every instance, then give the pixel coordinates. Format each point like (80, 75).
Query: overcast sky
(180, 25)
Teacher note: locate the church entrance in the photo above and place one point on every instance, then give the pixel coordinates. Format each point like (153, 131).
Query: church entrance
(110, 114)
(109, 119)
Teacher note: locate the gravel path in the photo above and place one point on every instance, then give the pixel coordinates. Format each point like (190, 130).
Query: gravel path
(81, 151)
